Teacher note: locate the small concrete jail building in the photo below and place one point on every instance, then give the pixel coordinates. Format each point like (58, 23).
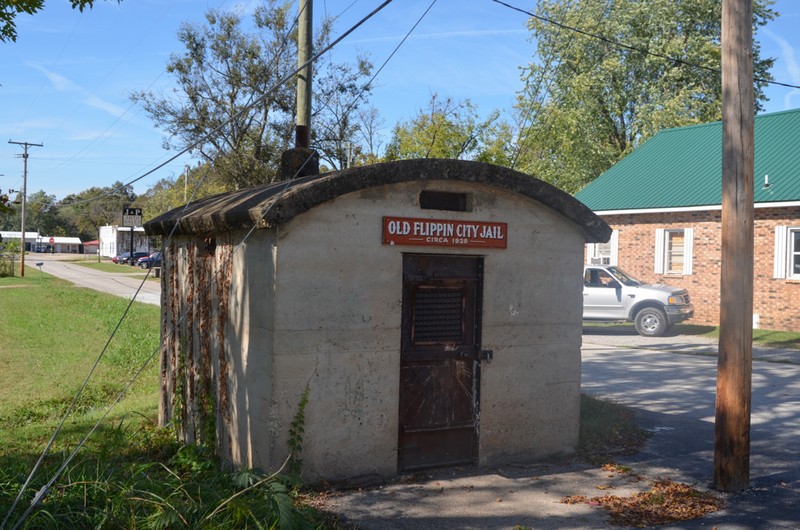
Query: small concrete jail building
(429, 310)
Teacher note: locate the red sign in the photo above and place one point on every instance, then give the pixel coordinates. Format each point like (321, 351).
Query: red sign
(444, 233)
(52, 240)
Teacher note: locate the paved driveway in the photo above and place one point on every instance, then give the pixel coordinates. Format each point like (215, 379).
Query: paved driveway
(673, 395)
(122, 284)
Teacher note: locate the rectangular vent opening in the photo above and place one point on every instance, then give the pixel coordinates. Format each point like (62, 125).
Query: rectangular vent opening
(438, 316)
(443, 200)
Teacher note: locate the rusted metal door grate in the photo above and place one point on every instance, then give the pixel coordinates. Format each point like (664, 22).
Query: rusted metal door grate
(438, 315)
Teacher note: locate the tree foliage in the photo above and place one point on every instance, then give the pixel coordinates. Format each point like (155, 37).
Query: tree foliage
(170, 193)
(229, 103)
(338, 110)
(589, 102)
(9, 9)
(90, 209)
(4, 207)
(445, 129)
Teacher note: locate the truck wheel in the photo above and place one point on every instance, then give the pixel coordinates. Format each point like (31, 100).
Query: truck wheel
(651, 322)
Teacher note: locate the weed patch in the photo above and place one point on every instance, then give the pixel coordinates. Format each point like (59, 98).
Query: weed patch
(607, 430)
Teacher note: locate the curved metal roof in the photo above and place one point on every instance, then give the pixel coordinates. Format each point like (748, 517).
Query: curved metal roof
(279, 202)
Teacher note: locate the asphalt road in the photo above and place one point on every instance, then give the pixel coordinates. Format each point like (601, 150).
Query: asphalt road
(122, 284)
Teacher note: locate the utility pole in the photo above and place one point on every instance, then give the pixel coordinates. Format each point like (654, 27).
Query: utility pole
(25, 146)
(302, 161)
(735, 361)
(185, 181)
(304, 47)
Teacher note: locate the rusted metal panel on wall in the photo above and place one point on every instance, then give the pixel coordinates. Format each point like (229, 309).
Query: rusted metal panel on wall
(439, 368)
(194, 365)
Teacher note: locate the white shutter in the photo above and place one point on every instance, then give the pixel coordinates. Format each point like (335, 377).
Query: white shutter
(659, 268)
(781, 248)
(590, 252)
(614, 243)
(688, 247)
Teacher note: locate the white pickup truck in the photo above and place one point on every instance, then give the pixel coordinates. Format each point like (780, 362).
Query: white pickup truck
(611, 295)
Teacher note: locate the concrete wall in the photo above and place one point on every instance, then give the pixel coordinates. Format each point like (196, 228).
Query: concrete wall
(337, 327)
(318, 302)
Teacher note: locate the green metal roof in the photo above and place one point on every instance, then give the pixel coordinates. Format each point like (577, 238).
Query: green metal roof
(682, 167)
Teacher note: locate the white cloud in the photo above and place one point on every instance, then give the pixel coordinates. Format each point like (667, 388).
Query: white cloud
(64, 84)
(114, 110)
(59, 82)
(789, 60)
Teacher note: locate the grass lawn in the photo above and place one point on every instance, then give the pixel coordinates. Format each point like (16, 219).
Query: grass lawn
(53, 334)
(131, 473)
(765, 337)
(108, 266)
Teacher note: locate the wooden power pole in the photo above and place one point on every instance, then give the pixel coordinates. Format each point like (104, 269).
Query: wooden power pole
(735, 362)
(305, 42)
(302, 160)
(25, 146)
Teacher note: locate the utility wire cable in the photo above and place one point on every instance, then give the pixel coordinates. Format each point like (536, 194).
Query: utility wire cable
(521, 144)
(632, 48)
(369, 83)
(530, 115)
(279, 83)
(43, 491)
(49, 444)
(54, 63)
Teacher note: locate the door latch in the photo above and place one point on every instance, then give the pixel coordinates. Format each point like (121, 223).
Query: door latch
(486, 355)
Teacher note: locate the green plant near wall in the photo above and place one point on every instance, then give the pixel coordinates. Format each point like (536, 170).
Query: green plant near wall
(296, 432)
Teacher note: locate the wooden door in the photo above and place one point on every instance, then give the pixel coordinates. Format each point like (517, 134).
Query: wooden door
(439, 363)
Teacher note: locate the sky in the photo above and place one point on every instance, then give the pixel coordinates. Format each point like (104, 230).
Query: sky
(66, 82)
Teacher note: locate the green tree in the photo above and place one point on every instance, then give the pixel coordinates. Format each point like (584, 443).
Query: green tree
(169, 193)
(589, 102)
(9, 9)
(4, 207)
(229, 105)
(90, 209)
(43, 215)
(338, 101)
(445, 129)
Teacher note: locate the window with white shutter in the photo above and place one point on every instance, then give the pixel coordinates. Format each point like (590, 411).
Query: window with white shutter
(787, 252)
(673, 252)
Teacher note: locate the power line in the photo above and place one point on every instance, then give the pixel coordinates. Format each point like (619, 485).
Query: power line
(389, 58)
(256, 101)
(633, 48)
(44, 490)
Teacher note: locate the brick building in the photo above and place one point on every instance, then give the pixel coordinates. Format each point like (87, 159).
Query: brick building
(663, 202)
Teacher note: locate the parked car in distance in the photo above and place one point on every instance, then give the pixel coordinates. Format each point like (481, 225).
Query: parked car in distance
(125, 257)
(153, 260)
(609, 294)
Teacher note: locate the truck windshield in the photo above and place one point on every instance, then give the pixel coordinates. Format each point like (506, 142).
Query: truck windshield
(622, 277)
